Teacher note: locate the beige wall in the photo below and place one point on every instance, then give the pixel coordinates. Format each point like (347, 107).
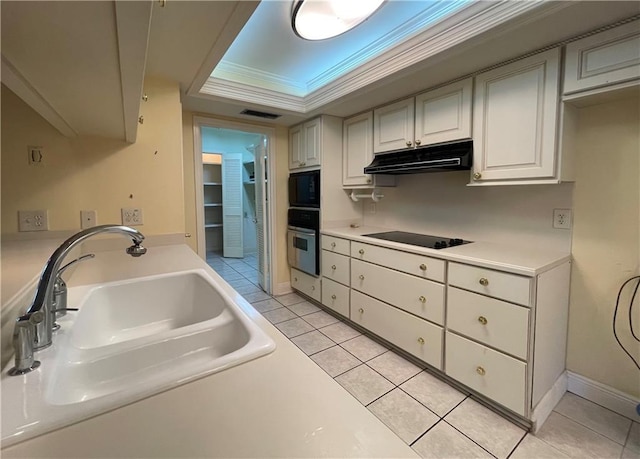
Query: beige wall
(95, 173)
(281, 174)
(606, 238)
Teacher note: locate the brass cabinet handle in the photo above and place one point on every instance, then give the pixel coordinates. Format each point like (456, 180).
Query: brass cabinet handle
(423, 267)
(481, 371)
(477, 176)
(484, 281)
(418, 142)
(333, 297)
(295, 279)
(421, 340)
(361, 277)
(333, 267)
(408, 143)
(333, 245)
(369, 180)
(361, 311)
(361, 251)
(303, 164)
(483, 320)
(313, 287)
(422, 299)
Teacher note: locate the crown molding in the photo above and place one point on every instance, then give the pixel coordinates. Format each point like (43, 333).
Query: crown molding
(254, 77)
(454, 30)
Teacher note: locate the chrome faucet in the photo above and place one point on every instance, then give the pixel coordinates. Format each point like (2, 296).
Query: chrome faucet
(34, 329)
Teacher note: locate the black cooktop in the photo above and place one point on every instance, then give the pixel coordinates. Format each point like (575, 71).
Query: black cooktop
(422, 240)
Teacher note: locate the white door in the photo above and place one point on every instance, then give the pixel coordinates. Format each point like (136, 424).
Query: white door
(261, 214)
(232, 242)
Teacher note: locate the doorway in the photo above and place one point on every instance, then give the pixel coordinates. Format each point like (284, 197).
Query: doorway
(233, 210)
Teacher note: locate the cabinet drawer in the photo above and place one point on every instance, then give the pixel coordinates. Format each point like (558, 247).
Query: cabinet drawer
(306, 284)
(411, 263)
(335, 296)
(410, 333)
(498, 376)
(504, 326)
(335, 244)
(509, 287)
(421, 297)
(335, 266)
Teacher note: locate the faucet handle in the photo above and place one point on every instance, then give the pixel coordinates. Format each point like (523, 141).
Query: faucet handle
(23, 339)
(83, 257)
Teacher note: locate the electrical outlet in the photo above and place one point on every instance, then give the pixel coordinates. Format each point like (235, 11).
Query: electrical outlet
(88, 218)
(36, 155)
(131, 216)
(33, 220)
(562, 218)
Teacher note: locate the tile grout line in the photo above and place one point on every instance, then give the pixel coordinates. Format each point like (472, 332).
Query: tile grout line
(589, 428)
(471, 439)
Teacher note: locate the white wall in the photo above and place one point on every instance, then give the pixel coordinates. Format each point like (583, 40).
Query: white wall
(441, 204)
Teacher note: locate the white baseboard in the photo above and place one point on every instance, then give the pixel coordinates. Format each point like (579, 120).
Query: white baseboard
(546, 405)
(282, 289)
(603, 395)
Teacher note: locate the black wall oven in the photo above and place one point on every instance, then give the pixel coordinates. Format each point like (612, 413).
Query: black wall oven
(304, 189)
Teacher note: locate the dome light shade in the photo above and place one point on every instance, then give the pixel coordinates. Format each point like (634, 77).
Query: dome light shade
(322, 19)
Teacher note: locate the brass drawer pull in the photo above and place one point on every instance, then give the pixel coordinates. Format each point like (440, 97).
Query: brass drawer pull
(421, 340)
(313, 287)
(361, 311)
(333, 297)
(483, 320)
(477, 176)
(484, 281)
(333, 245)
(361, 251)
(422, 299)
(423, 267)
(481, 371)
(295, 279)
(361, 277)
(333, 267)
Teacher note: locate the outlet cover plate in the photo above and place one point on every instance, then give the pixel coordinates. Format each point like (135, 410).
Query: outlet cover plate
(132, 216)
(33, 220)
(562, 218)
(88, 218)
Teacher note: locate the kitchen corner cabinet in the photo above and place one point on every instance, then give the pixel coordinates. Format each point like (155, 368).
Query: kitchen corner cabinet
(436, 116)
(515, 118)
(305, 144)
(357, 153)
(603, 60)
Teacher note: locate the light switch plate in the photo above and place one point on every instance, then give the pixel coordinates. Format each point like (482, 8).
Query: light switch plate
(88, 218)
(33, 220)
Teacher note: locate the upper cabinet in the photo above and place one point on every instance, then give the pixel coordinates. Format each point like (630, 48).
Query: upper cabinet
(444, 114)
(440, 115)
(608, 58)
(357, 153)
(305, 144)
(515, 117)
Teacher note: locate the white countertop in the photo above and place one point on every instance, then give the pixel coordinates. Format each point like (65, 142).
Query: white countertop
(278, 405)
(524, 260)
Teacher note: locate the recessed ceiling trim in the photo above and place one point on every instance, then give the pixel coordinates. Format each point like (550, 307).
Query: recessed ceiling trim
(454, 30)
(230, 90)
(14, 80)
(254, 77)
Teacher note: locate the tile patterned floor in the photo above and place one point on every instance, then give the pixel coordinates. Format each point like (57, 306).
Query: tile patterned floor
(435, 419)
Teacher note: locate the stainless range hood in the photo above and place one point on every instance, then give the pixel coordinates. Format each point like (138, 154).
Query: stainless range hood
(450, 156)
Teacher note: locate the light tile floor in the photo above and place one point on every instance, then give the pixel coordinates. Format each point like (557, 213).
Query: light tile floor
(435, 419)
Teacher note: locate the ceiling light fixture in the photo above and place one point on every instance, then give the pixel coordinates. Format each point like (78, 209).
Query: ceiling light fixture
(322, 19)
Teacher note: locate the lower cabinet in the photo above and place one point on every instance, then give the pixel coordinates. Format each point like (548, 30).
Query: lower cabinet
(335, 296)
(304, 283)
(410, 333)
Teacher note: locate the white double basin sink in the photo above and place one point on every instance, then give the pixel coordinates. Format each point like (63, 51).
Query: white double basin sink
(129, 340)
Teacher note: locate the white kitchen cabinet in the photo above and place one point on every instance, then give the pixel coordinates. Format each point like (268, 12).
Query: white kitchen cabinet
(304, 283)
(607, 58)
(436, 116)
(335, 266)
(335, 296)
(444, 114)
(357, 153)
(410, 333)
(305, 144)
(515, 117)
(336, 244)
(393, 127)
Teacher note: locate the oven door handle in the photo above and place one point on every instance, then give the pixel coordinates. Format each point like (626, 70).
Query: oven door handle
(302, 230)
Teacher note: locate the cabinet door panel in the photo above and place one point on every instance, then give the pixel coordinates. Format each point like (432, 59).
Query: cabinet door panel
(335, 296)
(306, 284)
(335, 266)
(393, 126)
(514, 119)
(412, 334)
(357, 149)
(311, 154)
(444, 115)
(295, 146)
